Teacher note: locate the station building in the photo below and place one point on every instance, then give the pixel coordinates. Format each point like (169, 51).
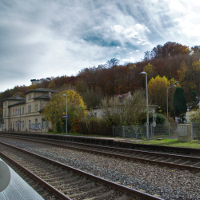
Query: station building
(25, 114)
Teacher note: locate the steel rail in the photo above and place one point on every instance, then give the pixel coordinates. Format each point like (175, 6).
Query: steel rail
(38, 179)
(107, 141)
(116, 186)
(170, 164)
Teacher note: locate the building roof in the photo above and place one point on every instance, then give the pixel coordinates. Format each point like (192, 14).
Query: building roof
(41, 90)
(17, 98)
(43, 96)
(123, 96)
(18, 103)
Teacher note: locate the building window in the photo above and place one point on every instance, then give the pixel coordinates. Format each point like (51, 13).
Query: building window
(29, 97)
(15, 111)
(4, 113)
(11, 125)
(36, 107)
(10, 112)
(29, 109)
(18, 111)
(5, 103)
(23, 110)
(16, 124)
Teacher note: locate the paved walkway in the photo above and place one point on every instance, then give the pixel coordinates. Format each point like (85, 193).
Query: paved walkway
(18, 189)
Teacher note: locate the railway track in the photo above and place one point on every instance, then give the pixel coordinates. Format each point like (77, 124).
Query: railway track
(165, 159)
(65, 182)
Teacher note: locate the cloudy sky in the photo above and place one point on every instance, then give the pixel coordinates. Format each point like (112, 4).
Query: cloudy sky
(45, 38)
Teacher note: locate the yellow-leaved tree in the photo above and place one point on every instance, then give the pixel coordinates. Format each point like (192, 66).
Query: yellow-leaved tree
(56, 108)
(157, 88)
(149, 69)
(182, 73)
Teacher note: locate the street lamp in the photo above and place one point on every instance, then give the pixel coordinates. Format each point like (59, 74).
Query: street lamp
(66, 111)
(167, 97)
(144, 73)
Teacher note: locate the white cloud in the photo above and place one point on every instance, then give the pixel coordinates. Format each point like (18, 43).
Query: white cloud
(136, 32)
(54, 38)
(127, 60)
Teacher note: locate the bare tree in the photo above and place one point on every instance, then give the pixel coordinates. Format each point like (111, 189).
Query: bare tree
(128, 111)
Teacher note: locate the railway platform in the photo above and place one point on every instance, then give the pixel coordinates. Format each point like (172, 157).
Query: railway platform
(18, 189)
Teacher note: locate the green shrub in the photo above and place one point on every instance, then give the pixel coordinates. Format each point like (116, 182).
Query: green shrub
(160, 119)
(95, 126)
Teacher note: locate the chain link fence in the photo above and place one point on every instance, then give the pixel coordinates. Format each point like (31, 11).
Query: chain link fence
(165, 130)
(195, 130)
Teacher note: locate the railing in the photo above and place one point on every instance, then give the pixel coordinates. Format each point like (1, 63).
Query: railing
(166, 130)
(195, 130)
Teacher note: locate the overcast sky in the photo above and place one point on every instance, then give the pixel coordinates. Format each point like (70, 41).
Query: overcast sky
(45, 38)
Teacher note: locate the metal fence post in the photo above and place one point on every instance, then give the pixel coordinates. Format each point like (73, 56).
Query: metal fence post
(192, 133)
(123, 132)
(169, 131)
(136, 131)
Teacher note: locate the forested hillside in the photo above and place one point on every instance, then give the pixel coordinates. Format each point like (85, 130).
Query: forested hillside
(174, 61)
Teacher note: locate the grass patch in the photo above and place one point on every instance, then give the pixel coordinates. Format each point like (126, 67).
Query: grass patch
(173, 143)
(164, 142)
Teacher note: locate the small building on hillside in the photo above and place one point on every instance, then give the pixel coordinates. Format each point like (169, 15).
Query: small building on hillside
(98, 111)
(25, 114)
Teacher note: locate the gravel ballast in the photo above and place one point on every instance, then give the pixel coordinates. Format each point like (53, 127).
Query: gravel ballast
(169, 183)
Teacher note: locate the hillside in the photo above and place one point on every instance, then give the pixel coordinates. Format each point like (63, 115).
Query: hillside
(172, 60)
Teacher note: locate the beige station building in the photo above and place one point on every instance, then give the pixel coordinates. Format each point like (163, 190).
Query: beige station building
(25, 114)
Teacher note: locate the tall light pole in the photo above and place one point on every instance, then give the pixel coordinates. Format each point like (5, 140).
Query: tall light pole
(66, 110)
(167, 98)
(144, 73)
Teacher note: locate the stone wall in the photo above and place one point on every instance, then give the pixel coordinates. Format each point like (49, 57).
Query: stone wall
(184, 132)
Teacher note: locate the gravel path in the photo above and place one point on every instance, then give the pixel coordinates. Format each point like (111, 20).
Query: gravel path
(169, 183)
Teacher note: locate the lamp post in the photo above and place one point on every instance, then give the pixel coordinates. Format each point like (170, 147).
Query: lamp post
(167, 97)
(20, 119)
(66, 110)
(144, 73)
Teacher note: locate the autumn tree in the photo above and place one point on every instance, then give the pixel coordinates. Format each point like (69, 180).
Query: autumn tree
(52, 85)
(149, 69)
(182, 72)
(157, 88)
(196, 73)
(179, 102)
(132, 70)
(195, 49)
(112, 62)
(55, 109)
